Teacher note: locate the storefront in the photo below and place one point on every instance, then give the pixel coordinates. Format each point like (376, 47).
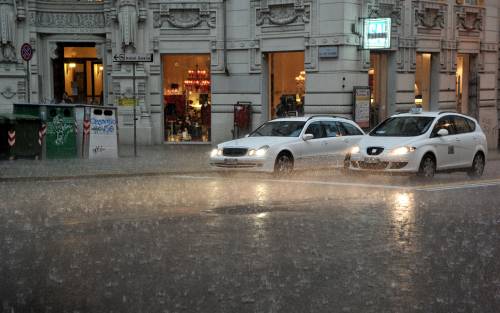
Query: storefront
(186, 98)
(286, 83)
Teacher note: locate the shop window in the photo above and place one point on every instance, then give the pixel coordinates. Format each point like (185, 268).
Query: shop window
(286, 84)
(187, 97)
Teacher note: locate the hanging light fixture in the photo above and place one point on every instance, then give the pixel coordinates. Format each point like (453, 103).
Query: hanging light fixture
(197, 80)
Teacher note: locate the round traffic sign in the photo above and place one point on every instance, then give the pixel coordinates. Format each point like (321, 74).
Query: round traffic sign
(26, 52)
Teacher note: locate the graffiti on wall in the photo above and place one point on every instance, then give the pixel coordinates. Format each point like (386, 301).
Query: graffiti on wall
(102, 126)
(60, 130)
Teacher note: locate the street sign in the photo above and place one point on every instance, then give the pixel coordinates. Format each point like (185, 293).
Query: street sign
(133, 57)
(328, 52)
(26, 52)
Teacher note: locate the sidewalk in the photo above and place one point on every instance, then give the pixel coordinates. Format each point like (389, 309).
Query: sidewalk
(151, 160)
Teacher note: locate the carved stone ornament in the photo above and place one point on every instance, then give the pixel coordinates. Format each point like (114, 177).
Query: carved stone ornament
(385, 10)
(430, 18)
(8, 93)
(283, 14)
(8, 30)
(67, 20)
(185, 17)
(469, 19)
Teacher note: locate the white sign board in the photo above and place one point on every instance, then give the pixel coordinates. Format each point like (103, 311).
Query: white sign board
(362, 106)
(377, 33)
(103, 142)
(133, 57)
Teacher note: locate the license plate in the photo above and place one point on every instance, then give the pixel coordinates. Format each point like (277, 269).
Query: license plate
(231, 161)
(372, 160)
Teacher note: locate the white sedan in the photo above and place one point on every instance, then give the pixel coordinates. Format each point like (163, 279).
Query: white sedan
(285, 144)
(423, 143)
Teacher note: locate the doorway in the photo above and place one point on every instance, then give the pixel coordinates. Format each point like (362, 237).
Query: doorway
(423, 81)
(286, 80)
(78, 74)
(466, 85)
(377, 80)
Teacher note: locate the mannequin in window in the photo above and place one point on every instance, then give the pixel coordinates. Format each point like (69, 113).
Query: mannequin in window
(282, 108)
(206, 118)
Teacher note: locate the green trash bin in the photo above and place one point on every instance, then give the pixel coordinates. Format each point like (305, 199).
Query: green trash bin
(61, 132)
(27, 109)
(23, 131)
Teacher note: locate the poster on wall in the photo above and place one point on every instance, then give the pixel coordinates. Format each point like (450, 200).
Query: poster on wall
(377, 33)
(362, 106)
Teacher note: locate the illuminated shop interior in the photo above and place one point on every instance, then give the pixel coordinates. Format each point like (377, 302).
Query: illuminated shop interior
(423, 81)
(377, 80)
(187, 97)
(83, 76)
(287, 79)
(462, 87)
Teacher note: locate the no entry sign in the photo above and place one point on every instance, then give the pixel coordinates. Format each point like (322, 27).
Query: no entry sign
(26, 52)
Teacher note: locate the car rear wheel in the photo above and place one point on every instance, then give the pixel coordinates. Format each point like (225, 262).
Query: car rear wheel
(283, 165)
(477, 167)
(427, 167)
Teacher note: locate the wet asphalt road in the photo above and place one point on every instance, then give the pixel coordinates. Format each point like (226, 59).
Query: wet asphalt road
(251, 243)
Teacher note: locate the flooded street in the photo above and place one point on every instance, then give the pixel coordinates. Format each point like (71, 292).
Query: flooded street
(250, 243)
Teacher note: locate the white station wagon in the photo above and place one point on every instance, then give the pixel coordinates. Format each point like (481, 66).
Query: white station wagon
(423, 143)
(285, 144)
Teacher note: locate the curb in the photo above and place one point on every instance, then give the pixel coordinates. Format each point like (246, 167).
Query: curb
(496, 157)
(100, 175)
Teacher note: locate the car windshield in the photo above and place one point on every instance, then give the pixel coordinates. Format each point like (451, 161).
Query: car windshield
(279, 129)
(403, 126)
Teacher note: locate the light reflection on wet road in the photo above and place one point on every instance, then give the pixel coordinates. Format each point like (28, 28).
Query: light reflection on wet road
(205, 243)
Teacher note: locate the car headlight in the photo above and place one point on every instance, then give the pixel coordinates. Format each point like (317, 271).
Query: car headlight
(355, 150)
(402, 150)
(258, 152)
(216, 152)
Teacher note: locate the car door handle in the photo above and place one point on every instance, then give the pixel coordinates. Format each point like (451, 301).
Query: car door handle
(457, 140)
(346, 140)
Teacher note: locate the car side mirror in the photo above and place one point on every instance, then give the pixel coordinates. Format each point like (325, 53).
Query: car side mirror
(307, 137)
(247, 135)
(442, 132)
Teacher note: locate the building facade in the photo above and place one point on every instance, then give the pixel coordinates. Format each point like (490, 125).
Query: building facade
(273, 56)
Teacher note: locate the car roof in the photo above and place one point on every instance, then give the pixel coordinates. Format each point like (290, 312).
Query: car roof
(434, 114)
(310, 117)
(427, 114)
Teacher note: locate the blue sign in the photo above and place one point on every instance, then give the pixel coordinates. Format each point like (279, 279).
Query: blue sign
(326, 52)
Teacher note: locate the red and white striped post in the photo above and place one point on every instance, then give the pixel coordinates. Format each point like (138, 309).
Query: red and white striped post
(12, 138)
(41, 133)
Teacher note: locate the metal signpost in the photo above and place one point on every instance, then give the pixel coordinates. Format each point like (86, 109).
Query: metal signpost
(27, 54)
(133, 58)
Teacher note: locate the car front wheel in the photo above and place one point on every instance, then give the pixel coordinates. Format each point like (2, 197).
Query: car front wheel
(477, 167)
(283, 165)
(427, 167)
